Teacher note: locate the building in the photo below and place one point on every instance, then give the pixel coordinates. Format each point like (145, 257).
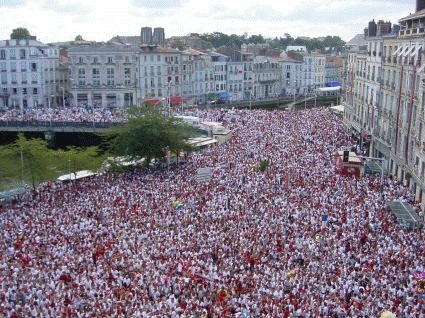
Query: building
(314, 72)
(334, 67)
(267, 77)
(384, 104)
(291, 66)
(29, 74)
(104, 74)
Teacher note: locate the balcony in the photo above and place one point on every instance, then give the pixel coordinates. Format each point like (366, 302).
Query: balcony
(413, 31)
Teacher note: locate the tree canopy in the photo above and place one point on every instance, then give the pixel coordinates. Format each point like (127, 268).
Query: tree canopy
(30, 161)
(148, 133)
(79, 38)
(217, 40)
(19, 34)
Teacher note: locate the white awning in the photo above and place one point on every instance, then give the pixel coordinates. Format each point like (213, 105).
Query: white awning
(398, 50)
(416, 51)
(404, 48)
(409, 50)
(328, 89)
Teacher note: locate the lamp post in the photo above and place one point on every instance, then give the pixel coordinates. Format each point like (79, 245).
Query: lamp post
(250, 99)
(295, 83)
(305, 99)
(315, 95)
(63, 97)
(169, 98)
(69, 169)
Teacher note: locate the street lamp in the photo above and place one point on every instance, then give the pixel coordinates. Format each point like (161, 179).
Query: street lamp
(250, 99)
(169, 98)
(315, 95)
(295, 83)
(63, 97)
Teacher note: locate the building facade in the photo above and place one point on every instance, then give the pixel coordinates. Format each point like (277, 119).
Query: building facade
(385, 95)
(104, 74)
(29, 72)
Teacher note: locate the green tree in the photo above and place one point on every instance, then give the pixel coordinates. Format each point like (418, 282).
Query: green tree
(79, 38)
(19, 33)
(33, 155)
(30, 161)
(148, 133)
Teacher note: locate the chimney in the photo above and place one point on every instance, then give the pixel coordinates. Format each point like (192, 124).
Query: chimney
(420, 5)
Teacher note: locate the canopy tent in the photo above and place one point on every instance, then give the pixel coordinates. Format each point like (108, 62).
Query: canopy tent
(333, 84)
(328, 89)
(224, 95)
(177, 99)
(152, 102)
(76, 175)
(338, 109)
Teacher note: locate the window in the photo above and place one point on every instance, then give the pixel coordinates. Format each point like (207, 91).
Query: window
(12, 54)
(2, 54)
(95, 59)
(81, 60)
(22, 54)
(110, 78)
(24, 91)
(13, 67)
(81, 76)
(14, 91)
(110, 60)
(33, 67)
(34, 91)
(158, 58)
(127, 76)
(24, 78)
(34, 78)
(96, 77)
(23, 67)
(127, 59)
(4, 78)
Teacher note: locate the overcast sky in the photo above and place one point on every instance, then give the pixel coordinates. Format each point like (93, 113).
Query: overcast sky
(100, 20)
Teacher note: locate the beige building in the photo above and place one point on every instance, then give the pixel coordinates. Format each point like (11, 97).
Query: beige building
(104, 74)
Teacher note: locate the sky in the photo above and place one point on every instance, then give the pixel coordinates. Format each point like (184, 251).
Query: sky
(100, 20)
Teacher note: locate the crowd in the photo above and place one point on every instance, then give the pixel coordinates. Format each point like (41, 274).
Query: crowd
(295, 240)
(69, 114)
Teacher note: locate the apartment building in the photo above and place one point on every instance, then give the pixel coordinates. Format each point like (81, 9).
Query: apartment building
(240, 76)
(292, 73)
(29, 72)
(104, 74)
(199, 79)
(313, 71)
(384, 105)
(267, 77)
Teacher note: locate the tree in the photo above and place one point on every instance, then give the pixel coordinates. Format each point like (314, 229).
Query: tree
(30, 161)
(19, 34)
(148, 133)
(79, 38)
